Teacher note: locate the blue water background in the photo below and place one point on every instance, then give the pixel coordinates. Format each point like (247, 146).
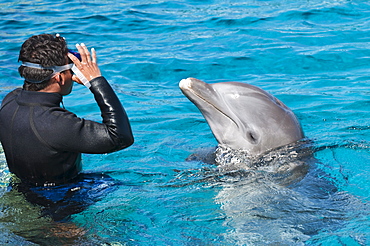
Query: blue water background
(312, 55)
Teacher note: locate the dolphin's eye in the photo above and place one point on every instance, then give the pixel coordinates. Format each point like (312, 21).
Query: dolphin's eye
(252, 137)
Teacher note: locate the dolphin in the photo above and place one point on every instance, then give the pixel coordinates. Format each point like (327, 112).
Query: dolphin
(242, 116)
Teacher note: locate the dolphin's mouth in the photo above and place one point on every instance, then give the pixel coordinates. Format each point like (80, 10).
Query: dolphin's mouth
(186, 86)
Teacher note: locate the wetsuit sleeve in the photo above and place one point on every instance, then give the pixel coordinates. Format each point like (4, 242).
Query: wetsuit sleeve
(113, 113)
(79, 135)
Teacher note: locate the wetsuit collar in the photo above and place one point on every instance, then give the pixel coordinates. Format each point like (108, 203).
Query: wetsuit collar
(33, 98)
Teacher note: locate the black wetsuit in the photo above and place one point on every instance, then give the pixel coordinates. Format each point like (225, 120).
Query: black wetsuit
(43, 142)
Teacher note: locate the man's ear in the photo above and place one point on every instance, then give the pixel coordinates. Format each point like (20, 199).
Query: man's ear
(59, 79)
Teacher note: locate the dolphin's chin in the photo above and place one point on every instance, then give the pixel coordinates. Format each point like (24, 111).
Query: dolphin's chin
(206, 107)
(194, 93)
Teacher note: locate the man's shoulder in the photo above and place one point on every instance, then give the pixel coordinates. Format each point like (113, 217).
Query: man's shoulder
(11, 95)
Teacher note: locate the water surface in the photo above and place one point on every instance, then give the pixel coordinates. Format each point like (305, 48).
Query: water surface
(312, 55)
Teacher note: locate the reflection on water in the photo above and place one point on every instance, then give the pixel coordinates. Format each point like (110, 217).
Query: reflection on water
(24, 220)
(41, 215)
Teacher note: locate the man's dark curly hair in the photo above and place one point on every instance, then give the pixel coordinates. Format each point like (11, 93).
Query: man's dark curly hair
(44, 49)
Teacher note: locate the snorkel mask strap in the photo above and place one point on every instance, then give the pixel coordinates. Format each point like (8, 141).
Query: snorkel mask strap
(56, 69)
(80, 75)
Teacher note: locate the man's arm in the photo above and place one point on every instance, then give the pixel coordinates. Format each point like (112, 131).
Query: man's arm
(91, 137)
(113, 114)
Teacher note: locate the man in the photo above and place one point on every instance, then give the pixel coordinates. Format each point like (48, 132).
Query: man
(42, 141)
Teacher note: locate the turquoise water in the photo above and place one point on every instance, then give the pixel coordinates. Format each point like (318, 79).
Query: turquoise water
(312, 55)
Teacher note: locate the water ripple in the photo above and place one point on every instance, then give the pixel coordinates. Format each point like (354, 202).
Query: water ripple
(313, 55)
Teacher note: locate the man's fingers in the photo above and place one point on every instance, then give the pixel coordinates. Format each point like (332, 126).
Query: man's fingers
(87, 69)
(88, 57)
(94, 58)
(81, 50)
(73, 58)
(77, 79)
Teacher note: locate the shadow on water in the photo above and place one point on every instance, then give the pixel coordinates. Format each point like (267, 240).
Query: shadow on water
(280, 198)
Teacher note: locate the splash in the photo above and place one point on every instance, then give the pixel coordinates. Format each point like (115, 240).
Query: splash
(285, 158)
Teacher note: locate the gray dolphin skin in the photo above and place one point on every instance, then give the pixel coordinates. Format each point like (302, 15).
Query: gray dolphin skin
(243, 116)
